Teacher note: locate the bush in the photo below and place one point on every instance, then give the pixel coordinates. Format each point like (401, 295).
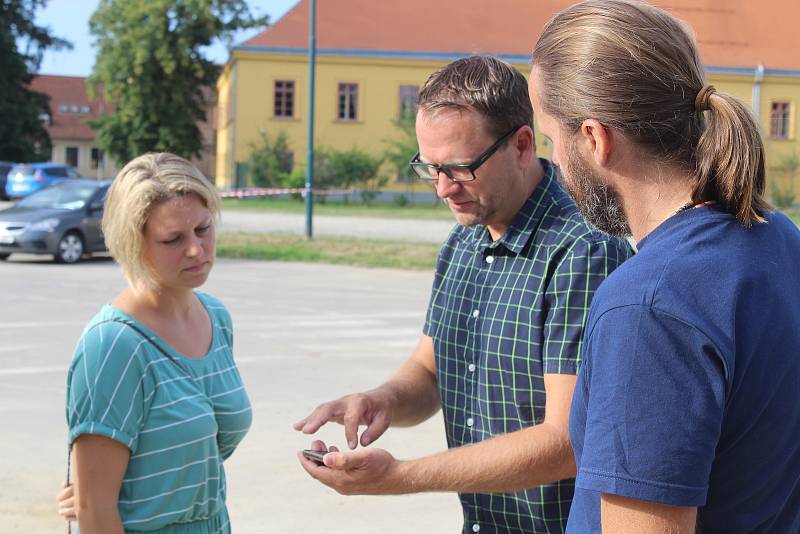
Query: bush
(400, 200)
(784, 196)
(343, 169)
(271, 161)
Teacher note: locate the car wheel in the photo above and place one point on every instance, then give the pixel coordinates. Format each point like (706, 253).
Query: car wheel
(4, 256)
(70, 248)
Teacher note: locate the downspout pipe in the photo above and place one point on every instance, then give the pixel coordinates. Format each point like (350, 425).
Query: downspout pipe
(758, 78)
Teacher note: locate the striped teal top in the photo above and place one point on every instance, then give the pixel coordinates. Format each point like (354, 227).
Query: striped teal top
(180, 417)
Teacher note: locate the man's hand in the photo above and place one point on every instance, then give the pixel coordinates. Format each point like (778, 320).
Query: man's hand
(370, 471)
(373, 409)
(65, 501)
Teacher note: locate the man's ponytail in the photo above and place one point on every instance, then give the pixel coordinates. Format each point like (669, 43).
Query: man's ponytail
(730, 158)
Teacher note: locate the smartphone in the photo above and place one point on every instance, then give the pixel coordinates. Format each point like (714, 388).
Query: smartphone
(316, 456)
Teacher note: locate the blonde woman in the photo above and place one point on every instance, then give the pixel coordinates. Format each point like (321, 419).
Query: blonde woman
(155, 402)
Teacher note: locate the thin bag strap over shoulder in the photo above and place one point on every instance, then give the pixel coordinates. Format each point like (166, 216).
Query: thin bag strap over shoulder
(150, 340)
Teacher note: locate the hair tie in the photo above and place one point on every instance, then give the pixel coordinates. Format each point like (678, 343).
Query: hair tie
(701, 101)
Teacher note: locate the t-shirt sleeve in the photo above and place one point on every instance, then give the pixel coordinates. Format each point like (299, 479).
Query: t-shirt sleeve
(108, 388)
(568, 297)
(656, 395)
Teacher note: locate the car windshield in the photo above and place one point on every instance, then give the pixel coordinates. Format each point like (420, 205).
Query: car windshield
(62, 196)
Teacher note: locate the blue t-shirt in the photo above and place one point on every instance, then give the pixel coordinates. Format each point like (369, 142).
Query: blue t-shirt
(689, 394)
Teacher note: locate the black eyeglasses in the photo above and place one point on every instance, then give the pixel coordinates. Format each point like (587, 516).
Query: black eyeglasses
(457, 172)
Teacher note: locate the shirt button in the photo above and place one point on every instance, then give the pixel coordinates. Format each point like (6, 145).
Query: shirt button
(476, 527)
(489, 259)
(475, 313)
(470, 421)
(471, 367)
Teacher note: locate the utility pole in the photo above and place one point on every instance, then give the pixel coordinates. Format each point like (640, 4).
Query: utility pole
(312, 63)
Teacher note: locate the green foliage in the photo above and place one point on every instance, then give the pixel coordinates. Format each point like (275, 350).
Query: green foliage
(400, 149)
(23, 137)
(784, 196)
(150, 66)
(271, 161)
(344, 168)
(400, 201)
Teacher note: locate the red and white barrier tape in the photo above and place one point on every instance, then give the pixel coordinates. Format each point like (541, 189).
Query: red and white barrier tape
(271, 191)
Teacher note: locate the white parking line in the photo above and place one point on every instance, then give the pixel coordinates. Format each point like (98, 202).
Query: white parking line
(16, 348)
(40, 324)
(33, 370)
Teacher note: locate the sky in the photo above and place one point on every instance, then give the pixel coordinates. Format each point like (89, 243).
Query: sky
(69, 19)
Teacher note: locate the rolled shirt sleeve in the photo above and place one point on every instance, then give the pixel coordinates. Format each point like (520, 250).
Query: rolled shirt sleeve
(108, 388)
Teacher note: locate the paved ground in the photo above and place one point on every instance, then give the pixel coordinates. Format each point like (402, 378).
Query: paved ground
(364, 227)
(304, 333)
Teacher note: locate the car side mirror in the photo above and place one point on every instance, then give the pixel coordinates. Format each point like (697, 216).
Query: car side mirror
(95, 207)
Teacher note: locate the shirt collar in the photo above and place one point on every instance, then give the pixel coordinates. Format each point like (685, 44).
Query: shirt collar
(525, 221)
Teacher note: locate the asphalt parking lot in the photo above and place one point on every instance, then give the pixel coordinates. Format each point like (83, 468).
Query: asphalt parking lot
(304, 334)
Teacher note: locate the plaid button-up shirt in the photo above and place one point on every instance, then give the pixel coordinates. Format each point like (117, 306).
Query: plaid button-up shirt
(501, 315)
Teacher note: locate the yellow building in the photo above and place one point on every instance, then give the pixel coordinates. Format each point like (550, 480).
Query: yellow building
(372, 57)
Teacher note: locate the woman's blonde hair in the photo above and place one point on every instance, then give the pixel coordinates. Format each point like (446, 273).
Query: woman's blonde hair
(142, 184)
(636, 69)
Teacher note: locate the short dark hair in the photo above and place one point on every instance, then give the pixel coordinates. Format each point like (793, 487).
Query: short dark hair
(488, 85)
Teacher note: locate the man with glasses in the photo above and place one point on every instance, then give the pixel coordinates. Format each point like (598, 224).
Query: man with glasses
(501, 343)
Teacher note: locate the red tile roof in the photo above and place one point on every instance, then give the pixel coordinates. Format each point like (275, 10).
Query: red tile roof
(731, 33)
(69, 91)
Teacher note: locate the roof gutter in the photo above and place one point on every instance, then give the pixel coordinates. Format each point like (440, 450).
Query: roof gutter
(385, 54)
(451, 56)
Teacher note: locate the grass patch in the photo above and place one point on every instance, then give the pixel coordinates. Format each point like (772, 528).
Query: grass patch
(336, 250)
(424, 210)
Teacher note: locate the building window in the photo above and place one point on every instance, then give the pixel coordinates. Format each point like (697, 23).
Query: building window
(284, 98)
(97, 158)
(72, 156)
(779, 120)
(409, 100)
(348, 102)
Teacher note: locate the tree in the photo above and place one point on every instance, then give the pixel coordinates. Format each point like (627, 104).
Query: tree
(400, 149)
(150, 66)
(398, 153)
(23, 137)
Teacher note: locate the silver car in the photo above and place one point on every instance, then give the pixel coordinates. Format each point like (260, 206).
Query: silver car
(62, 219)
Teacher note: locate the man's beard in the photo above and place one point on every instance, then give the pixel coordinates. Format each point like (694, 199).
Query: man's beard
(597, 201)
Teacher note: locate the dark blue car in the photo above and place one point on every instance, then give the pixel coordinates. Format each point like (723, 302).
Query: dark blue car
(26, 178)
(63, 220)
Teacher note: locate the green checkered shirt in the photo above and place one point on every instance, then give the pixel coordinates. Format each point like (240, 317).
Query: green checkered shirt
(501, 315)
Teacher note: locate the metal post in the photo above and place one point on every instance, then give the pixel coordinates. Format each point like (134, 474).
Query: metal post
(312, 59)
(759, 77)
